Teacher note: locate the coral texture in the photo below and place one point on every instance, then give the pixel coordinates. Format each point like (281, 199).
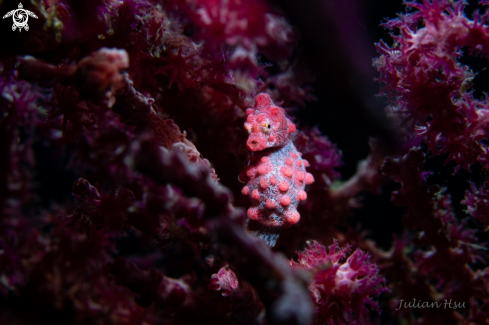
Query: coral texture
(427, 86)
(225, 280)
(343, 283)
(276, 174)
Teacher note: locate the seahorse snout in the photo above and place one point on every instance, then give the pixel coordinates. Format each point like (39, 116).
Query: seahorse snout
(256, 143)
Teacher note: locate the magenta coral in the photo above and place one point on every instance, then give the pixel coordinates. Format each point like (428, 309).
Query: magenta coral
(98, 210)
(477, 201)
(343, 284)
(225, 280)
(324, 157)
(427, 85)
(445, 247)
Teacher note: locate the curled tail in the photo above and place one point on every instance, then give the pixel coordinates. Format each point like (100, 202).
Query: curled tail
(268, 234)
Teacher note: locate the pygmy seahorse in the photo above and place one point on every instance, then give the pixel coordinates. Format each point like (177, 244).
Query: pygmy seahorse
(276, 176)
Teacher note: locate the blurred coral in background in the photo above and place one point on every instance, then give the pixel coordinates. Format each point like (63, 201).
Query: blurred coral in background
(122, 138)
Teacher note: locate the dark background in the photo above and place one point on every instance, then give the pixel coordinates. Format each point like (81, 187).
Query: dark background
(350, 125)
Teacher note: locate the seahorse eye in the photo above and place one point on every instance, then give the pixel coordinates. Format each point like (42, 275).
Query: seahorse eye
(268, 126)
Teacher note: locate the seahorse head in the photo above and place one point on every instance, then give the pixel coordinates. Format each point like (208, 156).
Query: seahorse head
(267, 125)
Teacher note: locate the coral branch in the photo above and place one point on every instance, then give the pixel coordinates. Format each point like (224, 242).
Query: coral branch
(477, 201)
(367, 178)
(150, 285)
(447, 247)
(243, 252)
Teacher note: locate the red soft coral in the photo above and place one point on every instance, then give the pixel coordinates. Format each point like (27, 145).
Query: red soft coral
(180, 68)
(477, 201)
(324, 156)
(100, 210)
(341, 289)
(225, 280)
(427, 86)
(244, 28)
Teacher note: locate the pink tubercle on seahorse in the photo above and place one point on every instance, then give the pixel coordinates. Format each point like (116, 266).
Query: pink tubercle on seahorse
(276, 174)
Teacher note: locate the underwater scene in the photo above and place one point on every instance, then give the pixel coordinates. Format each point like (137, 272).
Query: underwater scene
(251, 162)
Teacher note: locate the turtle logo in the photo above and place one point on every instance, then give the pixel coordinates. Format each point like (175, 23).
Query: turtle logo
(20, 17)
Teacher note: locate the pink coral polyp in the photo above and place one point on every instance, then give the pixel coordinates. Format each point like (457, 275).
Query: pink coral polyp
(341, 290)
(225, 281)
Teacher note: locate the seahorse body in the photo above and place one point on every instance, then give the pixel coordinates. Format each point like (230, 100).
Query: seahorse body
(276, 175)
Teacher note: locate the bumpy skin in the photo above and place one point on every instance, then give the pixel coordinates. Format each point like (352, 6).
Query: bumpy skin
(276, 175)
